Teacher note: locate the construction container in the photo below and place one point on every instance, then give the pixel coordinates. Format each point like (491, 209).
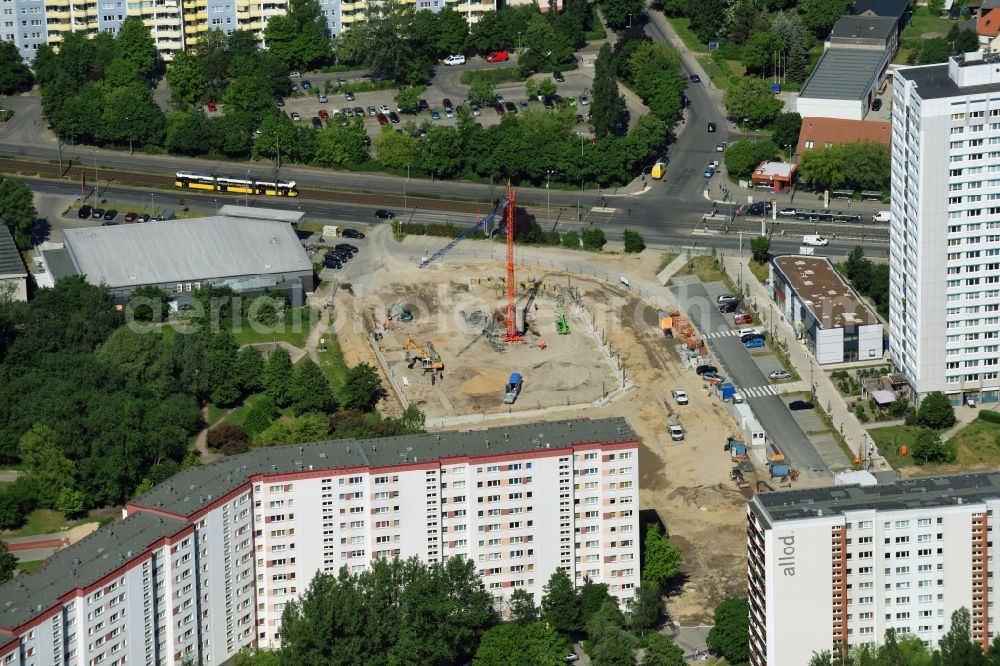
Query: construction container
(726, 391)
(780, 469)
(774, 454)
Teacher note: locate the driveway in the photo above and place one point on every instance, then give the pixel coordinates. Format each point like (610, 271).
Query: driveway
(698, 302)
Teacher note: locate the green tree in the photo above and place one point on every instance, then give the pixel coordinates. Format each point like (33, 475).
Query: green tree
(249, 97)
(299, 39)
(306, 428)
(621, 13)
(338, 145)
(512, 644)
(149, 303)
(543, 48)
(311, 390)
(385, 54)
(750, 100)
(188, 133)
(560, 603)
(134, 44)
(223, 376)
(661, 651)
(961, 40)
(743, 156)
(45, 465)
(482, 89)
(228, 438)
(452, 33)
(661, 559)
(522, 607)
(71, 502)
(820, 15)
(131, 115)
(608, 643)
(634, 242)
(956, 646)
(15, 76)
(18, 210)
(746, 19)
(362, 388)
(708, 18)
(859, 165)
(250, 369)
(928, 448)
(607, 104)
(278, 377)
(760, 51)
(786, 128)
(142, 360)
(8, 562)
(646, 608)
(186, 79)
(442, 152)
(933, 50)
(395, 151)
(760, 248)
(730, 636)
(260, 416)
(592, 597)
(408, 99)
(935, 411)
(593, 239)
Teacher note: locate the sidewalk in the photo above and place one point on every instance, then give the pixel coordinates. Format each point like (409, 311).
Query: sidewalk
(827, 396)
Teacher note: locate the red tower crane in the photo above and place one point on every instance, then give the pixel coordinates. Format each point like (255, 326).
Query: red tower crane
(512, 333)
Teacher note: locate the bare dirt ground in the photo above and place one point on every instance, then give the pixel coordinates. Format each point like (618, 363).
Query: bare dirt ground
(686, 483)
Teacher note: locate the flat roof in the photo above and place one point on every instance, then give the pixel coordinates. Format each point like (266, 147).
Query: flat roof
(775, 169)
(10, 258)
(894, 8)
(864, 27)
(273, 214)
(933, 82)
(196, 249)
(844, 74)
(195, 488)
(823, 291)
(838, 131)
(920, 493)
(81, 565)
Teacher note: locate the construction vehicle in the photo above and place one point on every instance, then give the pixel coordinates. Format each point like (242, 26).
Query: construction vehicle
(430, 360)
(561, 324)
(512, 389)
(736, 474)
(396, 311)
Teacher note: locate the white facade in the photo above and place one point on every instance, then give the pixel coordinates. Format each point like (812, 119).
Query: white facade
(944, 318)
(200, 576)
(845, 109)
(841, 565)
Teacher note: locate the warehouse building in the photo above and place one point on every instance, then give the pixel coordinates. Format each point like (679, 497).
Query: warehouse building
(205, 562)
(844, 83)
(837, 566)
(827, 313)
(249, 255)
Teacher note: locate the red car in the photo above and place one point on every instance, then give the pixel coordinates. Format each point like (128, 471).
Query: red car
(324, 114)
(212, 107)
(498, 107)
(498, 56)
(131, 217)
(382, 119)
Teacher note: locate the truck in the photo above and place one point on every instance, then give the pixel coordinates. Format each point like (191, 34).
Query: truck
(513, 388)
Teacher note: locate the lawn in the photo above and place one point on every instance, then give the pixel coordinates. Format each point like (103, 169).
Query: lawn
(978, 443)
(30, 565)
(331, 361)
(47, 521)
(722, 72)
(215, 413)
(921, 23)
(704, 268)
(683, 29)
(294, 330)
(760, 271)
(891, 438)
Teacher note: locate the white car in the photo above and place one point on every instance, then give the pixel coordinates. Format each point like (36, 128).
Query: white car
(384, 109)
(815, 240)
(680, 397)
(747, 331)
(881, 216)
(676, 432)
(454, 60)
(294, 75)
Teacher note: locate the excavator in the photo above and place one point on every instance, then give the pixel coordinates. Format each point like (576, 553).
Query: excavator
(396, 311)
(430, 360)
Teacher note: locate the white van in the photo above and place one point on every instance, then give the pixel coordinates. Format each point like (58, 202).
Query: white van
(815, 240)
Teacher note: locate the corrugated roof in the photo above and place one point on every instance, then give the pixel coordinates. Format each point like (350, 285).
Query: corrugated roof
(837, 131)
(10, 259)
(185, 250)
(195, 488)
(81, 565)
(844, 74)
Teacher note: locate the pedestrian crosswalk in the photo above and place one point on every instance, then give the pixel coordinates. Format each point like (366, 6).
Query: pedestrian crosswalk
(714, 335)
(758, 391)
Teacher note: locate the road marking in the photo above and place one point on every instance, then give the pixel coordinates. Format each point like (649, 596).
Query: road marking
(714, 335)
(601, 209)
(758, 391)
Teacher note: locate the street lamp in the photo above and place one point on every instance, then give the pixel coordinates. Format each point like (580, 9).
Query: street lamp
(128, 123)
(405, 182)
(630, 20)
(548, 194)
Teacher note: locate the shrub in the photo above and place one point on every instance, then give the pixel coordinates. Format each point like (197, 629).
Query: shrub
(634, 242)
(991, 417)
(593, 239)
(911, 417)
(571, 239)
(229, 438)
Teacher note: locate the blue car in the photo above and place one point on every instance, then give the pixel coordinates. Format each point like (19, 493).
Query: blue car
(435, 114)
(694, 79)
(709, 171)
(754, 343)
(306, 85)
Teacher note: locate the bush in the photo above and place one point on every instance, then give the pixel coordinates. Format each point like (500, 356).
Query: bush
(593, 240)
(991, 417)
(911, 417)
(571, 239)
(634, 242)
(228, 438)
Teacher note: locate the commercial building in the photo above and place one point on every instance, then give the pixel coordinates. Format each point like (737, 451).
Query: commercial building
(827, 132)
(844, 83)
(13, 275)
(944, 251)
(842, 564)
(774, 176)
(824, 310)
(204, 563)
(249, 255)
(176, 25)
(878, 33)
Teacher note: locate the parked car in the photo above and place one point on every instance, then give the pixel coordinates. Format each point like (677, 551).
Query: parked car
(779, 374)
(435, 115)
(84, 212)
(711, 127)
(449, 112)
(680, 397)
(730, 307)
(372, 111)
(352, 233)
(818, 241)
(317, 123)
(704, 369)
(499, 99)
(498, 107)
(799, 405)
(454, 60)
(756, 209)
(558, 76)
(384, 214)
(381, 118)
(498, 56)
(423, 105)
(584, 100)
(353, 249)
(713, 378)
(279, 100)
(145, 217)
(724, 298)
(876, 104)
(324, 114)
(882, 216)
(111, 214)
(475, 109)
(709, 171)
(742, 319)
(549, 103)
(332, 262)
(511, 107)
(295, 116)
(97, 213)
(384, 109)
(130, 217)
(446, 103)
(754, 343)
(322, 98)
(721, 147)
(786, 212)
(294, 75)
(676, 432)
(306, 85)
(695, 78)
(580, 118)
(393, 117)
(747, 331)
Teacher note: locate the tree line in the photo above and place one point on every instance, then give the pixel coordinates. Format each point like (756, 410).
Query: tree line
(406, 611)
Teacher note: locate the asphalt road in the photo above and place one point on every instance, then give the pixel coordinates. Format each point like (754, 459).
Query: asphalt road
(739, 367)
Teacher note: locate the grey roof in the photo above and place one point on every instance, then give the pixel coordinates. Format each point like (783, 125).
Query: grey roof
(81, 565)
(933, 82)
(10, 259)
(273, 214)
(894, 8)
(59, 262)
(216, 247)
(863, 27)
(196, 487)
(926, 492)
(843, 74)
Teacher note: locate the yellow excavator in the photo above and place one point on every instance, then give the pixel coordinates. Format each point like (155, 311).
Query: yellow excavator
(429, 359)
